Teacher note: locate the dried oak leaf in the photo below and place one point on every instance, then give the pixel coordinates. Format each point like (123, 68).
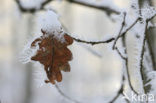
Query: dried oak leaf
(53, 54)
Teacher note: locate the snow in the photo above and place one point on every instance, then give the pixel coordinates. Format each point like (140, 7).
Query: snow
(31, 3)
(28, 52)
(135, 6)
(137, 50)
(148, 12)
(152, 76)
(49, 23)
(101, 3)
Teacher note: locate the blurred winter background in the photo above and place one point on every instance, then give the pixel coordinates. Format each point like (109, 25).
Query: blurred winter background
(95, 70)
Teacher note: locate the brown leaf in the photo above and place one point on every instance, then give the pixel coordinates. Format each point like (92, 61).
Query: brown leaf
(54, 55)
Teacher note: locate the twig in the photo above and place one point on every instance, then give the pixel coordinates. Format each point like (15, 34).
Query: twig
(94, 42)
(122, 26)
(123, 33)
(116, 48)
(124, 45)
(115, 41)
(108, 10)
(88, 42)
(120, 91)
(108, 40)
(64, 95)
(143, 48)
(33, 9)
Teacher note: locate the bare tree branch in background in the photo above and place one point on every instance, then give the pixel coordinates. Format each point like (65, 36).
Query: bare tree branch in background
(32, 10)
(108, 10)
(64, 95)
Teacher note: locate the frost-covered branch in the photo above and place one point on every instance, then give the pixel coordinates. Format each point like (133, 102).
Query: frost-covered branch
(110, 39)
(118, 36)
(121, 55)
(89, 42)
(142, 51)
(32, 9)
(93, 42)
(124, 58)
(121, 34)
(126, 65)
(108, 9)
(146, 16)
(121, 28)
(142, 71)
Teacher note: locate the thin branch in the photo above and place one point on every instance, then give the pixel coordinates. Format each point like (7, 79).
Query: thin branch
(108, 40)
(143, 49)
(94, 42)
(88, 42)
(108, 10)
(126, 64)
(124, 44)
(122, 26)
(126, 30)
(149, 19)
(120, 91)
(33, 9)
(116, 48)
(64, 95)
(123, 33)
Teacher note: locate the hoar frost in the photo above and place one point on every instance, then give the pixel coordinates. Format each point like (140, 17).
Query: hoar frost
(49, 23)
